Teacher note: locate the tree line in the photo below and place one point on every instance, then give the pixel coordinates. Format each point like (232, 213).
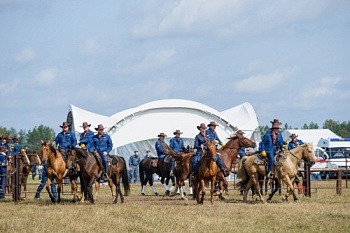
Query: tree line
(32, 138)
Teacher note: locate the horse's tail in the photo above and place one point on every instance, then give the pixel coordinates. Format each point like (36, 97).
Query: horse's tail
(241, 172)
(125, 179)
(141, 173)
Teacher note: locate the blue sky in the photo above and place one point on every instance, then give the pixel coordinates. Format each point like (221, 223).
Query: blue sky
(289, 59)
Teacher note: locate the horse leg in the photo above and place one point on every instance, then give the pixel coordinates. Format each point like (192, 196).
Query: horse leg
(162, 180)
(213, 180)
(110, 184)
(290, 189)
(48, 189)
(97, 189)
(257, 187)
(89, 190)
(274, 190)
(202, 190)
(59, 187)
(74, 187)
(246, 190)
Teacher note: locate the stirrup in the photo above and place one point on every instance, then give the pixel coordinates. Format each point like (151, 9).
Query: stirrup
(171, 173)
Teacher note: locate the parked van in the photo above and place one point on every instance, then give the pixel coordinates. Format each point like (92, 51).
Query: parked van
(338, 150)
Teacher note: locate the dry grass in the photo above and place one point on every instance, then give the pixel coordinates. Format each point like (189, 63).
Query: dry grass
(324, 212)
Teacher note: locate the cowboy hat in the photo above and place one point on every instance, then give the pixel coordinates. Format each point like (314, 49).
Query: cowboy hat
(177, 132)
(64, 124)
(201, 126)
(161, 135)
(15, 138)
(100, 126)
(213, 123)
(276, 123)
(293, 135)
(85, 124)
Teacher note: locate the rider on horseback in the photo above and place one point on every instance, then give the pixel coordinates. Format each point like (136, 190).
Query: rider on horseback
(271, 143)
(177, 145)
(103, 145)
(212, 136)
(65, 139)
(159, 146)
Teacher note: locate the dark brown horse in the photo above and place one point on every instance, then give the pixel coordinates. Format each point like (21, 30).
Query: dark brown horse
(147, 167)
(56, 169)
(207, 171)
(89, 170)
(118, 172)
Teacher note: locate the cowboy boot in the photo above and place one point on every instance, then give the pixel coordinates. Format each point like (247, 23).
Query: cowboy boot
(99, 163)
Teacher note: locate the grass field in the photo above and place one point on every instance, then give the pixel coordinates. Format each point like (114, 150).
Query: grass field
(323, 212)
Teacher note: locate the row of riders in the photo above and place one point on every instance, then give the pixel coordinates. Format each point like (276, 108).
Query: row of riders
(207, 162)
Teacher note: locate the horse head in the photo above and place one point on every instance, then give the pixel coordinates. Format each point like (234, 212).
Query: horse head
(238, 141)
(211, 149)
(71, 158)
(308, 154)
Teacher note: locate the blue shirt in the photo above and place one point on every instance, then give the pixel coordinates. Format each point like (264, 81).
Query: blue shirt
(241, 152)
(134, 161)
(198, 141)
(87, 140)
(16, 148)
(159, 148)
(64, 140)
(103, 143)
(211, 136)
(292, 145)
(267, 143)
(2, 163)
(177, 144)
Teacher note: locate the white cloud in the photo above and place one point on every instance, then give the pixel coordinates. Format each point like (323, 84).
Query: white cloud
(154, 61)
(326, 87)
(260, 83)
(224, 18)
(46, 77)
(26, 55)
(9, 88)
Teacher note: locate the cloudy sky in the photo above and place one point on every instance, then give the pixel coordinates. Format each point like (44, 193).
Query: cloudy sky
(289, 59)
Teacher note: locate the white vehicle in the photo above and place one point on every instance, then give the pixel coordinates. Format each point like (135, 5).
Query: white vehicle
(321, 162)
(338, 150)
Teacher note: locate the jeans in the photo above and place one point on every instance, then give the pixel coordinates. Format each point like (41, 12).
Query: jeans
(220, 162)
(42, 184)
(133, 173)
(271, 157)
(3, 177)
(105, 162)
(195, 161)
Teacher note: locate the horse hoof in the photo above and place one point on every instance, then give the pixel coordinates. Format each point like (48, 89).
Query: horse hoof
(73, 201)
(54, 200)
(167, 193)
(184, 193)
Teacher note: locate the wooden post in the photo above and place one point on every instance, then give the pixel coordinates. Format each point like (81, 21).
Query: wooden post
(17, 186)
(307, 183)
(339, 183)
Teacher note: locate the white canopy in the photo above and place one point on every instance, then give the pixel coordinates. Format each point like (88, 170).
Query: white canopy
(137, 128)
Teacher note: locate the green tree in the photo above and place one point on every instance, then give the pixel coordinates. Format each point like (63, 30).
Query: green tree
(39, 133)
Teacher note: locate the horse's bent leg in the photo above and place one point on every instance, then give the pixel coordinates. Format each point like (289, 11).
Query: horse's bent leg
(97, 189)
(246, 190)
(48, 189)
(74, 187)
(110, 184)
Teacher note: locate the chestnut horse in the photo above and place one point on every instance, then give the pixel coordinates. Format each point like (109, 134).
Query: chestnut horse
(207, 171)
(251, 167)
(56, 169)
(228, 154)
(118, 172)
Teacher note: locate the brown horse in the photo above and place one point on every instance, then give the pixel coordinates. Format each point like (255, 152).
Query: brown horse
(23, 161)
(147, 167)
(207, 171)
(228, 154)
(31, 158)
(117, 172)
(182, 171)
(251, 166)
(56, 169)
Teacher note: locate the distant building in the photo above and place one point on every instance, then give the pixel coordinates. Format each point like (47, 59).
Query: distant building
(309, 135)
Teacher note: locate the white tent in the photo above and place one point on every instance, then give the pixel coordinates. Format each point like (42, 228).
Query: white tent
(309, 135)
(137, 128)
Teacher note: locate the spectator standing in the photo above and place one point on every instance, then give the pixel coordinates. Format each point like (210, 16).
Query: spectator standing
(134, 162)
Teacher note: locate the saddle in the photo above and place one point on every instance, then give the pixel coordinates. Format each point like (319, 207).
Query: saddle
(115, 159)
(260, 160)
(279, 158)
(167, 159)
